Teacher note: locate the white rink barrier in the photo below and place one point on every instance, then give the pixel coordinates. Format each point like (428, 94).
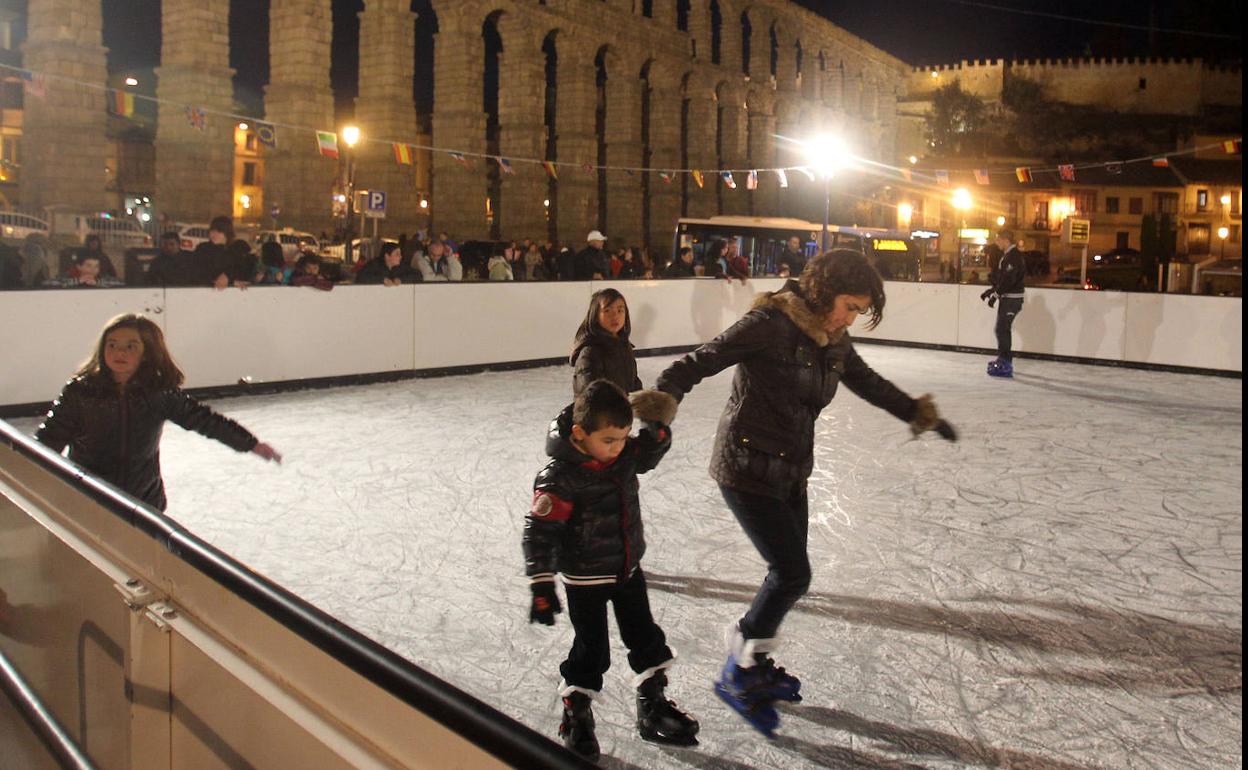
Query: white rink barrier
(278, 334)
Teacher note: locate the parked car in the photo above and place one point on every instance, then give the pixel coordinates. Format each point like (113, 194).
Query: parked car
(359, 248)
(191, 235)
(292, 240)
(16, 226)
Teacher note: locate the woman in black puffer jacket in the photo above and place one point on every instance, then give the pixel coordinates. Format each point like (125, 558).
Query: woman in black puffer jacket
(111, 413)
(601, 350)
(792, 351)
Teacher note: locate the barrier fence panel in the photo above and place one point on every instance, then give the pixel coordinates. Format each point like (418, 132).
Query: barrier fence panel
(156, 650)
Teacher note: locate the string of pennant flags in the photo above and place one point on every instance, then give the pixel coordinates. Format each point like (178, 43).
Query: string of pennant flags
(122, 103)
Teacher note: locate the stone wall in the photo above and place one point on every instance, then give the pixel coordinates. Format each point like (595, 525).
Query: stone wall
(629, 90)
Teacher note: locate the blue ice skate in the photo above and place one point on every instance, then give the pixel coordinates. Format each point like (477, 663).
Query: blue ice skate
(783, 685)
(748, 692)
(1001, 368)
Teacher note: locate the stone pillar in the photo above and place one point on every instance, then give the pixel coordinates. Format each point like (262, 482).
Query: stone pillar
(664, 13)
(700, 142)
(63, 142)
(386, 112)
(623, 137)
(760, 47)
(762, 149)
(786, 59)
(700, 31)
(195, 169)
(664, 199)
(577, 191)
(732, 146)
(297, 179)
(521, 98)
(459, 190)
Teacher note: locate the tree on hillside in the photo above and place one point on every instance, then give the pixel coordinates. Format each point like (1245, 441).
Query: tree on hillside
(958, 124)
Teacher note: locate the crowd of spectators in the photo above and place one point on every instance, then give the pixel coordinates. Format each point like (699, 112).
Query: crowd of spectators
(227, 260)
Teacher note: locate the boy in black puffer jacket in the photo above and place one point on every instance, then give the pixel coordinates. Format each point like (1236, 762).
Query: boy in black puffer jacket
(585, 523)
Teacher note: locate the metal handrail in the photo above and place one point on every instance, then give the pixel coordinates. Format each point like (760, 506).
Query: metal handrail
(66, 751)
(478, 722)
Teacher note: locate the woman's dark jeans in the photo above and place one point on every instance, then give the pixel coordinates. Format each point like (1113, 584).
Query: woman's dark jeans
(777, 528)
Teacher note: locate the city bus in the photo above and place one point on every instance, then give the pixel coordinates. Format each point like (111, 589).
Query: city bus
(761, 240)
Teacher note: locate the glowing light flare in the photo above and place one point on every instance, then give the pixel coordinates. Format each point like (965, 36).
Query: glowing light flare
(351, 135)
(962, 200)
(828, 154)
(1223, 232)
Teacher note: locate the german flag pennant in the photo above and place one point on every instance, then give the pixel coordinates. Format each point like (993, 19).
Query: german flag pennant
(402, 154)
(1023, 174)
(549, 165)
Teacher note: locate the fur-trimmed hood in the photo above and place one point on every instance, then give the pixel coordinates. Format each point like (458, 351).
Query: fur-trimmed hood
(788, 300)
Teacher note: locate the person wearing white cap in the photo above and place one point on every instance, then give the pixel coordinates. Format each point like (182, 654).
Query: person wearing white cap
(592, 262)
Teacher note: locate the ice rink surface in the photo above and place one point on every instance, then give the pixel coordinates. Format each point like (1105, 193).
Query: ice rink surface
(1061, 589)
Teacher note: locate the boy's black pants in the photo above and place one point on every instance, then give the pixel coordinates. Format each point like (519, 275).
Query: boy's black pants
(590, 656)
(778, 529)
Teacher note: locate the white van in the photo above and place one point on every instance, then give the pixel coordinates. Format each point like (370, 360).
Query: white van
(292, 240)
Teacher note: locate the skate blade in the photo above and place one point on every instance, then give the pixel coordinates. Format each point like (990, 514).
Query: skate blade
(665, 740)
(744, 710)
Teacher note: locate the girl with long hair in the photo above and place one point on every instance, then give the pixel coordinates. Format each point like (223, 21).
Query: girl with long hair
(111, 414)
(601, 349)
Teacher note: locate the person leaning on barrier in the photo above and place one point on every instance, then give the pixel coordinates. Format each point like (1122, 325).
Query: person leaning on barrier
(223, 260)
(388, 269)
(682, 266)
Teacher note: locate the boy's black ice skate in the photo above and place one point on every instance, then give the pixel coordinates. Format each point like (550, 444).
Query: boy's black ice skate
(658, 719)
(577, 727)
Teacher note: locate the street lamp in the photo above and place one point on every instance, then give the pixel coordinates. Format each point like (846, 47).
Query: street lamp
(350, 137)
(1223, 232)
(963, 202)
(827, 154)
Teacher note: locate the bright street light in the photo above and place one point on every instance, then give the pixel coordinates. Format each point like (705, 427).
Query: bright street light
(962, 199)
(132, 81)
(904, 212)
(1223, 232)
(827, 154)
(351, 135)
(1225, 199)
(1000, 221)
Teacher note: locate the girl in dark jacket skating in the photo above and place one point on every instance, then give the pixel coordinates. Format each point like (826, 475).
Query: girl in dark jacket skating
(601, 350)
(792, 351)
(111, 413)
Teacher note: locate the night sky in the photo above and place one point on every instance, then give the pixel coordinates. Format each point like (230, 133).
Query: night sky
(916, 31)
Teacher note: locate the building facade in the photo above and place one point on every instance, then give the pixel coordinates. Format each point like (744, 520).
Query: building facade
(583, 84)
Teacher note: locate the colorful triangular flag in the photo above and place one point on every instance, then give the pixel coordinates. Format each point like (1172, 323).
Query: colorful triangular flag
(783, 177)
(266, 134)
(197, 118)
(729, 182)
(459, 158)
(1162, 162)
(1023, 174)
(504, 165)
(981, 176)
(327, 143)
(1233, 146)
(402, 153)
(1067, 172)
(942, 177)
(123, 104)
(751, 181)
(666, 176)
(697, 177)
(549, 165)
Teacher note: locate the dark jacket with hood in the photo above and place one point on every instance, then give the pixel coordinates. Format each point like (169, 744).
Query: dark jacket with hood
(601, 356)
(210, 260)
(585, 519)
(788, 370)
(1009, 277)
(376, 272)
(117, 437)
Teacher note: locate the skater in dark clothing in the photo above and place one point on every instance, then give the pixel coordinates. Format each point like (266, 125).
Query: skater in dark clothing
(601, 350)
(1008, 280)
(792, 351)
(585, 523)
(111, 413)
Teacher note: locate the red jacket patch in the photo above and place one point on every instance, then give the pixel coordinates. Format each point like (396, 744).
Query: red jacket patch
(548, 507)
